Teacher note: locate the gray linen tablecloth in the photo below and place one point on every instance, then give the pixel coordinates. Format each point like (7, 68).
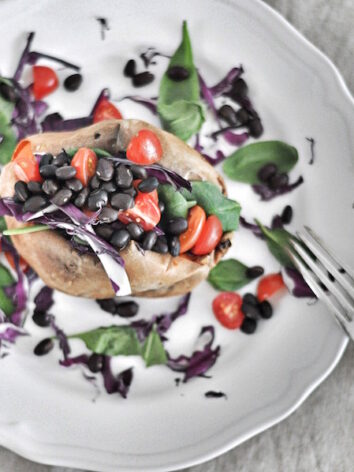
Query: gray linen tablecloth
(319, 436)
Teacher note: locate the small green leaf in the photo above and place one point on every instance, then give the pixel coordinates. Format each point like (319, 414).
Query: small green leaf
(99, 152)
(6, 278)
(175, 203)
(210, 198)
(111, 341)
(228, 275)
(9, 140)
(278, 242)
(179, 106)
(27, 229)
(6, 304)
(3, 225)
(153, 351)
(245, 163)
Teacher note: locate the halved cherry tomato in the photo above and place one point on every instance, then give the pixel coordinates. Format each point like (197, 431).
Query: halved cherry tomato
(24, 266)
(209, 237)
(196, 222)
(227, 310)
(45, 81)
(144, 148)
(106, 111)
(23, 148)
(85, 162)
(146, 211)
(154, 195)
(269, 285)
(27, 168)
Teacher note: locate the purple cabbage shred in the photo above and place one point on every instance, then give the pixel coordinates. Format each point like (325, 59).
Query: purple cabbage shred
(298, 287)
(267, 193)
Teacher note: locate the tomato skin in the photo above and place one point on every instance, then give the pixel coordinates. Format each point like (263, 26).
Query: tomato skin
(26, 168)
(23, 148)
(209, 237)
(106, 111)
(196, 222)
(227, 310)
(85, 163)
(144, 148)
(45, 81)
(269, 285)
(146, 211)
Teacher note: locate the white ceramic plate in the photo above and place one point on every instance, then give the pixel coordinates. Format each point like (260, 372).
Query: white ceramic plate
(47, 413)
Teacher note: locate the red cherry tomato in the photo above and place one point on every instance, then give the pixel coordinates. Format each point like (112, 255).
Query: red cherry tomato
(24, 266)
(85, 162)
(45, 81)
(196, 222)
(144, 148)
(106, 111)
(146, 211)
(227, 310)
(209, 237)
(27, 168)
(23, 148)
(269, 285)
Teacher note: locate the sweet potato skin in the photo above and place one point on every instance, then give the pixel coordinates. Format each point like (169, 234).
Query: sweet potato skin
(150, 275)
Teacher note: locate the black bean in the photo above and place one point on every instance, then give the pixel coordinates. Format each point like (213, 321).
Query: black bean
(35, 204)
(139, 172)
(8, 92)
(123, 177)
(108, 304)
(267, 171)
(161, 206)
(129, 191)
(41, 318)
(254, 272)
(251, 310)
(177, 73)
(175, 246)
(161, 245)
(95, 363)
(127, 309)
(34, 187)
(61, 159)
(144, 78)
(104, 231)
(44, 347)
(95, 183)
(73, 82)
(21, 191)
(109, 187)
(278, 181)
(148, 185)
(47, 171)
(242, 116)
(122, 201)
(287, 215)
(62, 197)
(255, 128)
(108, 215)
(120, 239)
(105, 169)
(177, 226)
(149, 240)
(228, 114)
(135, 231)
(65, 173)
(240, 87)
(250, 299)
(97, 199)
(50, 187)
(331, 277)
(266, 309)
(130, 68)
(249, 325)
(74, 184)
(46, 159)
(81, 199)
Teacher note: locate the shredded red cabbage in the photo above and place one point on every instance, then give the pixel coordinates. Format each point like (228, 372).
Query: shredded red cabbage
(296, 283)
(220, 156)
(256, 230)
(10, 334)
(225, 84)
(267, 193)
(149, 103)
(116, 383)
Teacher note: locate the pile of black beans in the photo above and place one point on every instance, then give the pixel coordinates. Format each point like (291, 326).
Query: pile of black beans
(243, 116)
(270, 176)
(112, 189)
(254, 310)
(139, 79)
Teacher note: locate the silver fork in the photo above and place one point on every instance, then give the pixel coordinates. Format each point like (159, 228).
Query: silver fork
(331, 280)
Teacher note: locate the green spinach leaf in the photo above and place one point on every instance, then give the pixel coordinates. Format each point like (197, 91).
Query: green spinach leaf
(245, 163)
(9, 140)
(179, 106)
(229, 275)
(3, 225)
(209, 197)
(153, 351)
(278, 242)
(6, 304)
(6, 278)
(175, 203)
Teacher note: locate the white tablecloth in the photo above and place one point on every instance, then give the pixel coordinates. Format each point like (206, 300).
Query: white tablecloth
(319, 437)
